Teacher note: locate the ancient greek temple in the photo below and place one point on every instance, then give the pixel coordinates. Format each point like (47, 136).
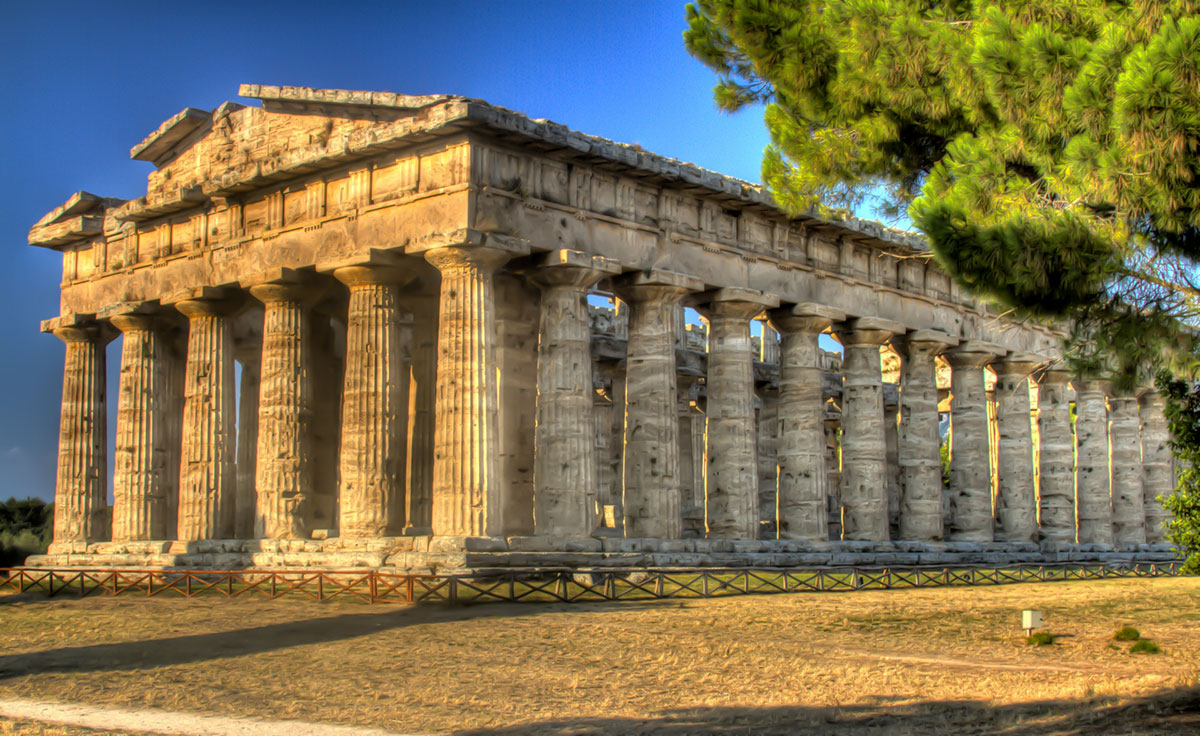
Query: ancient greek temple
(429, 333)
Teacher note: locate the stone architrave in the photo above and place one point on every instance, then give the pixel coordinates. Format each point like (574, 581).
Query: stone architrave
(1057, 458)
(1016, 500)
(81, 485)
(1157, 477)
(564, 468)
(283, 477)
(375, 403)
(1128, 500)
(920, 442)
(467, 490)
(1094, 489)
(731, 481)
(139, 475)
(971, 518)
(650, 472)
(208, 467)
(803, 480)
(249, 355)
(864, 444)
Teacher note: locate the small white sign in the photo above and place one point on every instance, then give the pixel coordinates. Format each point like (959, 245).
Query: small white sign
(1031, 620)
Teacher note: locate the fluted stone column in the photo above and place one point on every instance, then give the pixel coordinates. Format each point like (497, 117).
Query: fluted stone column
(691, 494)
(650, 473)
(466, 488)
(864, 445)
(1016, 501)
(1157, 477)
(767, 451)
(920, 442)
(803, 480)
(81, 492)
(139, 478)
(208, 468)
(247, 440)
(283, 476)
(731, 491)
(174, 358)
(1057, 458)
(564, 468)
(375, 403)
(1093, 492)
(1128, 501)
(970, 475)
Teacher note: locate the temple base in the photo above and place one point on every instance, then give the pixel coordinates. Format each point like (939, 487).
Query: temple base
(454, 555)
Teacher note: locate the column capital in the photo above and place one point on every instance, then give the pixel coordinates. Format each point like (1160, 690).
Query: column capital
(805, 317)
(736, 303)
(934, 340)
(206, 301)
(571, 268)
(373, 274)
(476, 250)
(863, 331)
(1052, 377)
(1017, 364)
(1149, 396)
(653, 285)
(284, 285)
(134, 322)
(973, 354)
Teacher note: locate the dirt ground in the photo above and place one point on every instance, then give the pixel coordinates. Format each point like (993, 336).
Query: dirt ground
(949, 660)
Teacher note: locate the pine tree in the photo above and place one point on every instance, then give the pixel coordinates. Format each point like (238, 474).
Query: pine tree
(1048, 149)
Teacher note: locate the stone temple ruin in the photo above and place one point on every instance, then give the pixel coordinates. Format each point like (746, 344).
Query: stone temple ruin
(428, 333)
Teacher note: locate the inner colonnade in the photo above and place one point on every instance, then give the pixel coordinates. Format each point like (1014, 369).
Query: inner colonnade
(424, 370)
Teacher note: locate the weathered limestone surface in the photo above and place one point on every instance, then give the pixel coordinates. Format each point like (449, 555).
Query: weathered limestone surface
(920, 442)
(283, 477)
(139, 476)
(422, 398)
(1128, 506)
(864, 446)
(1057, 458)
(81, 488)
(767, 451)
(803, 481)
(970, 485)
(327, 322)
(731, 483)
(650, 474)
(1092, 463)
(1157, 476)
(374, 405)
(466, 489)
(1016, 502)
(208, 469)
(565, 492)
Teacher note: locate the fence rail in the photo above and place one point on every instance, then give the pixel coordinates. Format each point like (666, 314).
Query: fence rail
(557, 585)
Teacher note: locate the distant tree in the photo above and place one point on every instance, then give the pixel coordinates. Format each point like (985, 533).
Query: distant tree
(26, 526)
(1049, 150)
(1183, 417)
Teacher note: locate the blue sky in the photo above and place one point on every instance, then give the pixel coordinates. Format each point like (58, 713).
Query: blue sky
(83, 82)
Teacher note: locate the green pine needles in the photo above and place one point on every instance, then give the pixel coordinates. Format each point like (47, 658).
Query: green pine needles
(1048, 150)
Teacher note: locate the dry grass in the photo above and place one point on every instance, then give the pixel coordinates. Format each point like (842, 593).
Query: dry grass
(949, 660)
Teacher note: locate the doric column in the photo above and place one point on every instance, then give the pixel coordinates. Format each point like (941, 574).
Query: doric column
(139, 478)
(970, 474)
(1092, 470)
(1016, 501)
(81, 492)
(650, 473)
(691, 492)
(731, 491)
(249, 355)
(375, 403)
(1157, 478)
(920, 442)
(564, 467)
(1057, 458)
(466, 487)
(208, 468)
(767, 450)
(283, 462)
(864, 445)
(803, 481)
(1128, 503)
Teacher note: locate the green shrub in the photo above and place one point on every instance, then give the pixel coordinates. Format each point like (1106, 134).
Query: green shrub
(1145, 646)
(25, 529)
(1041, 639)
(1127, 633)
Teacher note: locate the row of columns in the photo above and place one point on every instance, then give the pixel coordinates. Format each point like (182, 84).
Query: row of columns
(194, 427)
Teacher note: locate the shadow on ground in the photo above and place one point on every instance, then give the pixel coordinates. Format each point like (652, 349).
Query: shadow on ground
(1169, 712)
(162, 652)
